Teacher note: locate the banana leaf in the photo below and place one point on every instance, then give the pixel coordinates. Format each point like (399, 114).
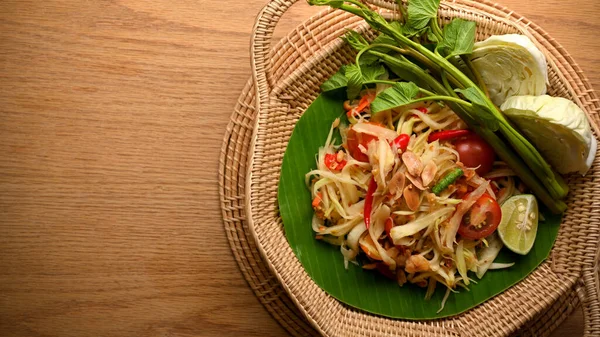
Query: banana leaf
(368, 290)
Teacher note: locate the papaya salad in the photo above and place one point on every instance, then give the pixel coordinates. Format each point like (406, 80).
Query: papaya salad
(447, 146)
(403, 187)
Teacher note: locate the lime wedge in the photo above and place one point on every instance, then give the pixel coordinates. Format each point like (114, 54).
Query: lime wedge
(519, 223)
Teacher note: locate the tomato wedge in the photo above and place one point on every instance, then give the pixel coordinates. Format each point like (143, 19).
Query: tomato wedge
(354, 139)
(482, 219)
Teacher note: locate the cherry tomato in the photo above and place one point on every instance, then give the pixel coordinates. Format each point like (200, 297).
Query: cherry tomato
(354, 139)
(474, 152)
(482, 219)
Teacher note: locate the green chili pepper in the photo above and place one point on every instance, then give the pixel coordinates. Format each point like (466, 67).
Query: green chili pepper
(447, 180)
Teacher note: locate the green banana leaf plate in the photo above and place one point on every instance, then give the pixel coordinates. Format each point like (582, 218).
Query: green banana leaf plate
(367, 290)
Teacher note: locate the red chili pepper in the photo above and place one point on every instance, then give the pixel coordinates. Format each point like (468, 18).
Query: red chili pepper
(447, 134)
(401, 141)
(332, 163)
(421, 109)
(362, 104)
(369, 202)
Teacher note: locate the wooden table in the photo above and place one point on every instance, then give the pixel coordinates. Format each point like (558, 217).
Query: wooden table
(112, 115)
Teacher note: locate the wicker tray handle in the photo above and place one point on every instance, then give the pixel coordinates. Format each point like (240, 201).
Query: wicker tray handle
(266, 21)
(260, 46)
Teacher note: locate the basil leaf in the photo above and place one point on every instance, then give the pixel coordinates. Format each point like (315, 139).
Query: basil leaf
(459, 37)
(399, 94)
(485, 113)
(420, 12)
(337, 81)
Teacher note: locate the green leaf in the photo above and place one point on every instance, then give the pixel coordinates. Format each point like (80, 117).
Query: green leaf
(357, 76)
(459, 37)
(485, 113)
(420, 12)
(337, 81)
(355, 80)
(399, 94)
(367, 290)
(355, 40)
(394, 25)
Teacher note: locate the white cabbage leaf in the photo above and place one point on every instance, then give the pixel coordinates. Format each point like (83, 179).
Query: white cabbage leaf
(510, 65)
(557, 127)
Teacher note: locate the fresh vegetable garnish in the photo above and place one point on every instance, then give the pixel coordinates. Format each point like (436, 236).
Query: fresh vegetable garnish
(557, 127)
(518, 228)
(510, 65)
(436, 78)
(447, 135)
(473, 152)
(447, 180)
(482, 219)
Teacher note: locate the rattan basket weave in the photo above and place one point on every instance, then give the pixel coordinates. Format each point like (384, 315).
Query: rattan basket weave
(285, 81)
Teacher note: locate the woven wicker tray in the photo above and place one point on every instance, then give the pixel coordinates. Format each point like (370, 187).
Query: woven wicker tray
(284, 84)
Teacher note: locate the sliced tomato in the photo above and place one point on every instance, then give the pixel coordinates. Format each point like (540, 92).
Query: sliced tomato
(482, 219)
(354, 139)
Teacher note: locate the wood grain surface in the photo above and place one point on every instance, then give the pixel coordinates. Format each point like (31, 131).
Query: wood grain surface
(111, 120)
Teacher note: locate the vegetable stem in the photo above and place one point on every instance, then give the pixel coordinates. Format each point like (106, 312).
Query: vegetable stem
(443, 98)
